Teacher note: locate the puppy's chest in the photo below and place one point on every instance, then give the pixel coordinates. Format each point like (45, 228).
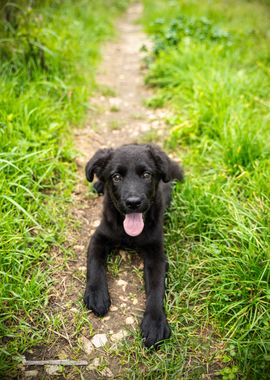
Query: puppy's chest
(126, 241)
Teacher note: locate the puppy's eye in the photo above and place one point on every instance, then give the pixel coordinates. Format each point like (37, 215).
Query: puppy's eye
(147, 175)
(116, 177)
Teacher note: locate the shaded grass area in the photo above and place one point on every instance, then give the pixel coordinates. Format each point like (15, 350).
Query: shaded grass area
(210, 65)
(48, 51)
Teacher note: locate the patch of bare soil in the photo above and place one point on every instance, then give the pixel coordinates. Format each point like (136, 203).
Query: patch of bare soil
(117, 116)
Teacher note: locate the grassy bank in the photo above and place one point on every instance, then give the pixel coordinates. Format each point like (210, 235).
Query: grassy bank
(48, 54)
(210, 65)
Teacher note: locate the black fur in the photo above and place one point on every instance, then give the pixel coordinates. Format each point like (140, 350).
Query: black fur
(121, 176)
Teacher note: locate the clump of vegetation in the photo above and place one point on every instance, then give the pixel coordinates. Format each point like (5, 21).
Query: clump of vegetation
(48, 54)
(210, 65)
(171, 32)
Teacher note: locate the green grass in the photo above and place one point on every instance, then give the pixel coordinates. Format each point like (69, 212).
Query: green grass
(210, 65)
(48, 57)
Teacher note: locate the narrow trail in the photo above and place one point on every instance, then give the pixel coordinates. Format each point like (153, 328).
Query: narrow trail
(115, 118)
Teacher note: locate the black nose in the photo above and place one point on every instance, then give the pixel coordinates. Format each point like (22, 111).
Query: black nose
(133, 203)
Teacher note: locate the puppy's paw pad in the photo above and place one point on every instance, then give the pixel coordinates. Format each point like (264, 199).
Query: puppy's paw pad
(98, 301)
(155, 330)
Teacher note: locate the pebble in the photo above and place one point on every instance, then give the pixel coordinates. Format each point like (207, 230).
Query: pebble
(135, 301)
(113, 308)
(87, 346)
(119, 335)
(122, 283)
(99, 340)
(107, 318)
(79, 247)
(106, 372)
(115, 101)
(31, 374)
(130, 321)
(95, 363)
(51, 369)
(96, 223)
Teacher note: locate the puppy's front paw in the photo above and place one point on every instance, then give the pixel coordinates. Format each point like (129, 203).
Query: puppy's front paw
(154, 329)
(98, 300)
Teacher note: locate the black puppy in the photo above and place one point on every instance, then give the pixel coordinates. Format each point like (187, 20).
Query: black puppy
(136, 181)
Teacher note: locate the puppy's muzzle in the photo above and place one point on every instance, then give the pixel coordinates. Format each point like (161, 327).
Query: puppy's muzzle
(133, 203)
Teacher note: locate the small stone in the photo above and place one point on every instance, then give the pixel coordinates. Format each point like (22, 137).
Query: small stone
(95, 363)
(99, 340)
(119, 335)
(79, 161)
(113, 308)
(145, 127)
(79, 247)
(51, 369)
(106, 372)
(130, 321)
(96, 223)
(62, 355)
(107, 318)
(135, 301)
(31, 374)
(122, 283)
(87, 346)
(115, 101)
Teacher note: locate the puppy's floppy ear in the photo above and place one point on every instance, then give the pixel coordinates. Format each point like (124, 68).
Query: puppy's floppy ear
(97, 164)
(169, 170)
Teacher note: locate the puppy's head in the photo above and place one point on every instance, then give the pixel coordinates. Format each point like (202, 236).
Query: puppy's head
(131, 175)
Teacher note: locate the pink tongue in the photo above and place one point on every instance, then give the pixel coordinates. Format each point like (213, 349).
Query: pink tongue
(133, 224)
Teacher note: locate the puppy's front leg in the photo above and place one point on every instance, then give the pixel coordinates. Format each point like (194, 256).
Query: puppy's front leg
(154, 324)
(96, 296)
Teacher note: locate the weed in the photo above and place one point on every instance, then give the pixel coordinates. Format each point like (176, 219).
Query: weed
(114, 125)
(114, 108)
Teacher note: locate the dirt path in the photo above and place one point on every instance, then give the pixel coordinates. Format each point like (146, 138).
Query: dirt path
(117, 116)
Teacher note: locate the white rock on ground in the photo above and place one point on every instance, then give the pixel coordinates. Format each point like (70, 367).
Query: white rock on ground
(52, 370)
(31, 374)
(87, 346)
(135, 301)
(106, 372)
(99, 340)
(96, 223)
(130, 321)
(122, 283)
(92, 366)
(119, 335)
